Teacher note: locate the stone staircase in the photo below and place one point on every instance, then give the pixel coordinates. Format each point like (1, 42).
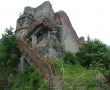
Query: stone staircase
(55, 83)
(37, 57)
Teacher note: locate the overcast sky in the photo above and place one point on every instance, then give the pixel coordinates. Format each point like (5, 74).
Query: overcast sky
(88, 17)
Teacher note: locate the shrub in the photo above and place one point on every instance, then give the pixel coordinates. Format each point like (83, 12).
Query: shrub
(29, 79)
(93, 52)
(70, 58)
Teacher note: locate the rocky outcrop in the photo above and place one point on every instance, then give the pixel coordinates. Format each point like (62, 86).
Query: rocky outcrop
(51, 46)
(44, 9)
(102, 85)
(10, 77)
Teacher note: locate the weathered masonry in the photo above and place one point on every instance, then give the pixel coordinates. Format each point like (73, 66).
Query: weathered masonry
(50, 40)
(41, 33)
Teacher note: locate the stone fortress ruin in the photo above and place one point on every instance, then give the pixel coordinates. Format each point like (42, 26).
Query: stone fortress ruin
(49, 39)
(42, 33)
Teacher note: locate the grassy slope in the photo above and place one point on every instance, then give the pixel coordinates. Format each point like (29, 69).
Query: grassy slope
(76, 76)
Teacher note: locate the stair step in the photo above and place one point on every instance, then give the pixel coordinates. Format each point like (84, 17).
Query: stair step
(47, 74)
(44, 65)
(46, 70)
(54, 81)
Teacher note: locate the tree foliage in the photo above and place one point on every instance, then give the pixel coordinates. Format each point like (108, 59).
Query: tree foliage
(9, 54)
(70, 58)
(93, 52)
(29, 79)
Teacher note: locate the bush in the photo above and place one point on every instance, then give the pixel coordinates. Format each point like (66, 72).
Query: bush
(93, 52)
(70, 58)
(29, 79)
(9, 56)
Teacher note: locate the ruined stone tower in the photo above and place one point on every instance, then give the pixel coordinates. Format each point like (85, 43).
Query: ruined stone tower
(51, 40)
(42, 33)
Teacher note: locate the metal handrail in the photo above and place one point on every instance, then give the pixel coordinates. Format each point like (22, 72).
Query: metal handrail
(38, 55)
(39, 49)
(31, 26)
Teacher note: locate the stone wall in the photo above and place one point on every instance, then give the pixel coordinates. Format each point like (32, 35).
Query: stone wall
(23, 22)
(64, 33)
(44, 9)
(69, 37)
(81, 40)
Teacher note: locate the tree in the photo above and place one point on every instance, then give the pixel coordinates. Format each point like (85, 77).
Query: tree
(9, 54)
(93, 52)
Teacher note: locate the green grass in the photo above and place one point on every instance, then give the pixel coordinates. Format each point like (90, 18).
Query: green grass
(76, 76)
